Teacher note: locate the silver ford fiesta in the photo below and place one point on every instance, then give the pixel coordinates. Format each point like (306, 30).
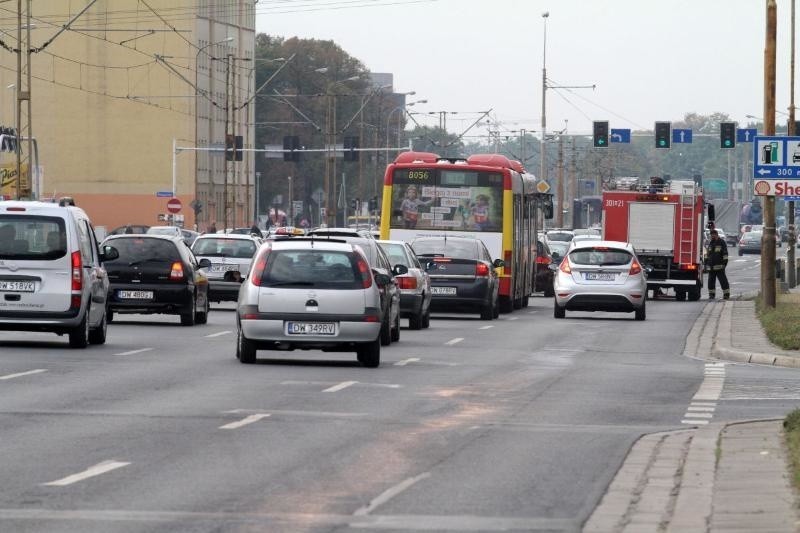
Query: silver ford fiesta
(600, 276)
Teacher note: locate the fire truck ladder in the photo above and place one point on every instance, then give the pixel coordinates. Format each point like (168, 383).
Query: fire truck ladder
(688, 223)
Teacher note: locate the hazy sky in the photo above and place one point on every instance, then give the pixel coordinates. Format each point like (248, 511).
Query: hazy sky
(650, 60)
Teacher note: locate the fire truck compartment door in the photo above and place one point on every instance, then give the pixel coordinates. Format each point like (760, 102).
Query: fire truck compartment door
(651, 226)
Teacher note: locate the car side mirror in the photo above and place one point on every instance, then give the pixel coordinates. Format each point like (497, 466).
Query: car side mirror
(497, 263)
(399, 270)
(382, 279)
(204, 263)
(109, 253)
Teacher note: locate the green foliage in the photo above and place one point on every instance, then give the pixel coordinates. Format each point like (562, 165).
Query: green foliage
(791, 426)
(781, 324)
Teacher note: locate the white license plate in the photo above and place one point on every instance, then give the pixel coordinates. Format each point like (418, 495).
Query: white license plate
(224, 268)
(135, 295)
(443, 291)
(311, 328)
(17, 286)
(600, 276)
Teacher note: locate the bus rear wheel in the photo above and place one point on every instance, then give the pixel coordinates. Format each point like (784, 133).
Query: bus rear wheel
(506, 305)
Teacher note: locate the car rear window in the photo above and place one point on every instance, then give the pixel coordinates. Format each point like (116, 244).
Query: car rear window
(561, 236)
(312, 268)
(457, 249)
(397, 254)
(30, 237)
(222, 247)
(139, 250)
(600, 256)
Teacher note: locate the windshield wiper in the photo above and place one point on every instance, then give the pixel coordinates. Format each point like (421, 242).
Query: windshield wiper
(150, 260)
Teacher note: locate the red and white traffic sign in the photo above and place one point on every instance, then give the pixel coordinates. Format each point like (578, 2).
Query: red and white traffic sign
(174, 205)
(773, 187)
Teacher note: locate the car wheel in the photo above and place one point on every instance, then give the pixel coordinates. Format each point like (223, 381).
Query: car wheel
(641, 313)
(426, 319)
(694, 294)
(496, 309)
(79, 335)
(487, 311)
(558, 311)
(741, 253)
(526, 301)
(506, 305)
(245, 348)
(201, 316)
(187, 318)
(415, 320)
(98, 334)
(549, 291)
(386, 332)
(109, 316)
(396, 329)
(369, 353)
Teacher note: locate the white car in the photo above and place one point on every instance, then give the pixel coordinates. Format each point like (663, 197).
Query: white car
(600, 276)
(231, 255)
(52, 276)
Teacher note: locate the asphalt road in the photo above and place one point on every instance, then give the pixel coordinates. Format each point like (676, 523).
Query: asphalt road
(513, 424)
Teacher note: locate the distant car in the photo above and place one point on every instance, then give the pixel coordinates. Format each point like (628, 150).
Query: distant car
(586, 237)
(558, 250)
(157, 274)
(415, 285)
(586, 231)
(52, 272)
(129, 228)
(343, 232)
(187, 235)
(311, 294)
(750, 243)
(230, 256)
(559, 235)
(543, 282)
(600, 276)
(463, 275)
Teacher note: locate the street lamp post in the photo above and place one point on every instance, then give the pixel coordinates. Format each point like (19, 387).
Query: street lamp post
(399, 123)
(542, 153)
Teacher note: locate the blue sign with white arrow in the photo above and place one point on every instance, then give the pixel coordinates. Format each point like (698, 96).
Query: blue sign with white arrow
(681, 136)
(746, 135)
(620, 136)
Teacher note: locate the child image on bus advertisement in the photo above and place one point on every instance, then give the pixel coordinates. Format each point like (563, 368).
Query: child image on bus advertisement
(459, 208)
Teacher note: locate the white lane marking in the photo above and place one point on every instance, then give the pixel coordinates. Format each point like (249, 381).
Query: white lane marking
(513, 318)
(485, 327)
(132, 352)
(297, 413)
(740, 260)
(699, 415)
(245, 421)
(96, 470)
(454, 341)
(219, 334)
(340, 386)
(390, 493)
(20, 374)
(704, 402)
(695, 422)
(404, 362)
(694, 409)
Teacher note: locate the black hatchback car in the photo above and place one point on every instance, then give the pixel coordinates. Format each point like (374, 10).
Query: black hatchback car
(157, 274)
(463, 275)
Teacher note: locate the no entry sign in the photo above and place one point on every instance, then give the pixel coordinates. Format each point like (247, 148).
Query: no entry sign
(174, 205)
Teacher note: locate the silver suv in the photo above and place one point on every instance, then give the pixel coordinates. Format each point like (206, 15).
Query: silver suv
(311, 294)
(51, 272)
(230, 256)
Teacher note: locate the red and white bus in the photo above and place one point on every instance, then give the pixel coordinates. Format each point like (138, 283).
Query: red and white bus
(486, 196)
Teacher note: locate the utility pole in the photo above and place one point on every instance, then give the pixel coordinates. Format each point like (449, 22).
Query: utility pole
(791, 269)
(228, 108)
(23, 90)
(768, 239)
(572, 184)
(559, 197)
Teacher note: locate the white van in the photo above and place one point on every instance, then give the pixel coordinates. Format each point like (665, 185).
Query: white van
(51, 272)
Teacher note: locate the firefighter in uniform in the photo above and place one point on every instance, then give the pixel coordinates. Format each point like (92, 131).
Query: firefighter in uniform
(717, 261)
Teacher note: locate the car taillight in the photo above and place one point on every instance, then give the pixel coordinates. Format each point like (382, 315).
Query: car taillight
(77, 271)
(406, 282)
(259, 266)
(366, 274)
(481, 269)
(507, 260)
(564, 267)
(635, 268)
(543, 260)
(176, 271)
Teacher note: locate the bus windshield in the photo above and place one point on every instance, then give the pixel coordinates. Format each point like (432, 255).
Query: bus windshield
(435, 198)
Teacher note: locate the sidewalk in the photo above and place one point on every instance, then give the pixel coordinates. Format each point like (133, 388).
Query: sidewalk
(721, 477)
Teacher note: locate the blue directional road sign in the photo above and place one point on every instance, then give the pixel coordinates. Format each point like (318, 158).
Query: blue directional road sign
(746, 135)
(776, 157)
(164, 194)
(620, 136)
(682, 136)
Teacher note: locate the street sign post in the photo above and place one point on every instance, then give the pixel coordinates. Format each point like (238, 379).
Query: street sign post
(620, 135)
(681, 135)
(776, 157)
(174, 205)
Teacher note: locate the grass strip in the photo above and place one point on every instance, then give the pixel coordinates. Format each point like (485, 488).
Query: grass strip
(791, 426)
(781, 324)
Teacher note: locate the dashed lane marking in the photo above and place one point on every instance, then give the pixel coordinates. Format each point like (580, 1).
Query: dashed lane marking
(340, 386)
(21, 374)
(704, 403)
(96, 470)
(451, 342)
(404, 362)
(218, 334)
(390, 493)
(133, 352)
(245, 421)
(486, 327)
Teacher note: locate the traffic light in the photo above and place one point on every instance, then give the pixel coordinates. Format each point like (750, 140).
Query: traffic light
(600, 134)
(291, 142)
(230, 145)
(197, 206)
(239, 153)
(727, 135)
(663, 134)
(354, 204)
(373, 204)
(350, 148)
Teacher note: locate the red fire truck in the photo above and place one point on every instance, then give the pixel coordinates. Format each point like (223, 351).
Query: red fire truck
(665, 226)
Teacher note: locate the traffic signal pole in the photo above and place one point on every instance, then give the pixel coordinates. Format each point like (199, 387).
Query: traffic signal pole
(768, 290)
(791, 271)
